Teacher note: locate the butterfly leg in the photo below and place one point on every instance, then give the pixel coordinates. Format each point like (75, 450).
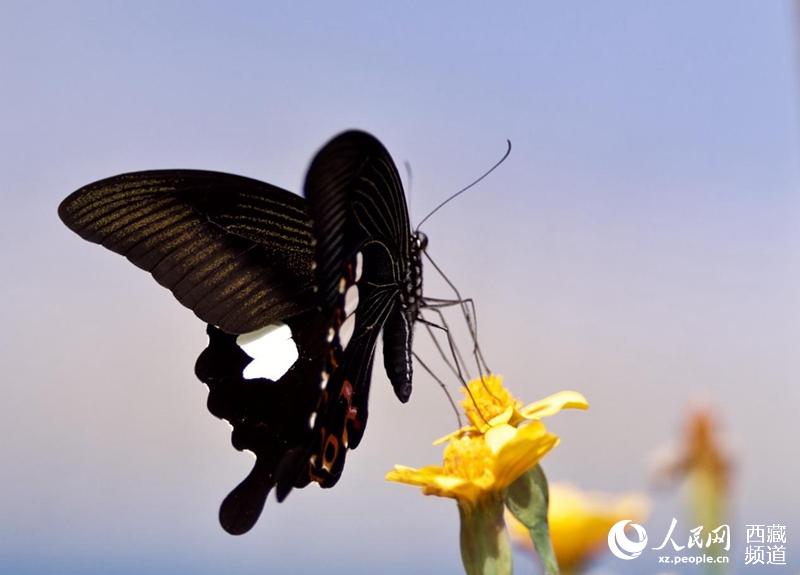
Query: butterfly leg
(457, 360)
(442, 385)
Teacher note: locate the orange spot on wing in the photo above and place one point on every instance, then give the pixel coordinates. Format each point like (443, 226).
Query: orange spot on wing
(347, 391)
(331, 442)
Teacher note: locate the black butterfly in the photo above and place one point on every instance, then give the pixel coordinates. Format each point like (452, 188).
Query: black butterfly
(251, 259)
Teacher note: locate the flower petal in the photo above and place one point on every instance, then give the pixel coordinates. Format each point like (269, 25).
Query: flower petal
(496, 437)
(552, 404)
(434, 481)
(411, 476)
(499, 419)
(461, 489)
(521, 452)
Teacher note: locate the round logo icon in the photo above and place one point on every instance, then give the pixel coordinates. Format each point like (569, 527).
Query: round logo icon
(619, 543)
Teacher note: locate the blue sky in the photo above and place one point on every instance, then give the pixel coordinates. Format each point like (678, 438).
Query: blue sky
(640, 245)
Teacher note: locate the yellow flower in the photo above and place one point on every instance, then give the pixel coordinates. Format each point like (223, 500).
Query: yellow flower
(490, 464)
(488, 403)
(579, 522)
(478, 466)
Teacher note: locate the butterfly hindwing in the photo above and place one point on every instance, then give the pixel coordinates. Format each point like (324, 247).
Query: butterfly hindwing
(269, 418)
(343, 408)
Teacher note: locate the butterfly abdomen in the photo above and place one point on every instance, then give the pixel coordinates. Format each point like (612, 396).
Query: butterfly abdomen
(397, 336)
(398, 332)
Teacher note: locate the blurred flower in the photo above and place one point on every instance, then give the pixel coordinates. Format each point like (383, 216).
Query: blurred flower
(579, 522)
(701, 461)
(488, 403)
(700, 452)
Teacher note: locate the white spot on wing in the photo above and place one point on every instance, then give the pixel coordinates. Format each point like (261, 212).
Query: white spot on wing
(273, 351)
(346, 331)
(359, 265)
(351, 300)
(312, 419)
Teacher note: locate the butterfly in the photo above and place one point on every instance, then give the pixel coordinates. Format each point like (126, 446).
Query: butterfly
(295, 292)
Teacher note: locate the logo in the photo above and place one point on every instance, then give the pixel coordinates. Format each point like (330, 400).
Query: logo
(621, 546)
(766, 544)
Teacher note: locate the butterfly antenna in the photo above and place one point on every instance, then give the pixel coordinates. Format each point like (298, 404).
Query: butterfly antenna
(442, 385)
(465, 188)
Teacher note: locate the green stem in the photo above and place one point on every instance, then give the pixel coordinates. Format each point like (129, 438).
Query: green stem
(485, 548)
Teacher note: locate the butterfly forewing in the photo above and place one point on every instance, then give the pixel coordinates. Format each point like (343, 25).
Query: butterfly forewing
(355, 196)
(236, 251)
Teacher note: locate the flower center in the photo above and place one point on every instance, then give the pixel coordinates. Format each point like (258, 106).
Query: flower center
(486, 399)
(467, 458)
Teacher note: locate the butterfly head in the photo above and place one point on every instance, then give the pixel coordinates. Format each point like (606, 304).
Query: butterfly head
(420, 242)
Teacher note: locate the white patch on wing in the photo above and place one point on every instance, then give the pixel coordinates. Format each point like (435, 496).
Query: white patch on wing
(359, 265)
(346, 331)
(273, 351)
(350, 300)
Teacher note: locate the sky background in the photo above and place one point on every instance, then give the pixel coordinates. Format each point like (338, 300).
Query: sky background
(641, 245)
